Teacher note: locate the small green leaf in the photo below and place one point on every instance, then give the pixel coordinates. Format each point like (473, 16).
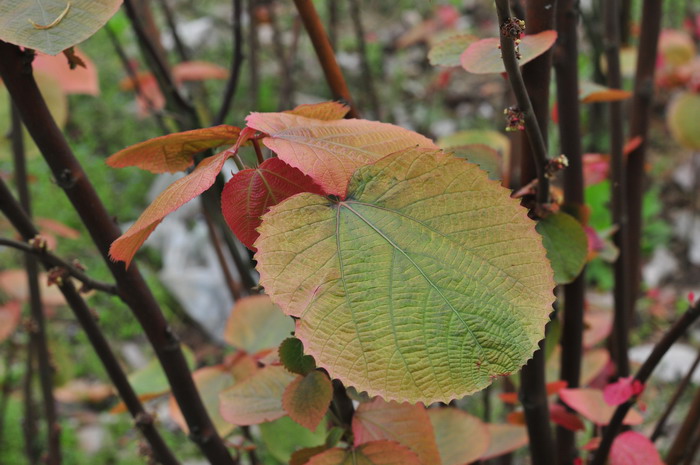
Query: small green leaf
(283, 437)
(566, 243)
(334, 436)
(292, 356)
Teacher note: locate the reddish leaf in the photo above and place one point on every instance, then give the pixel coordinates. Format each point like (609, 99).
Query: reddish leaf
(174, 152)
(505, 439)
(372, 453)
(596, 167)
(56, 227)
(593, 444)
(622, 390)
(80, 80)
(173, 197)
(326, 111)
(484, 56)
(516, 418)
(632, 144)
(14, 283)
(406, 424)
(590, 403)
(81, 390)
(256, 399)
(552, 388)
(306, 399)
(562, 417)
(632, 448)
(302, 456)
(590, 92)
(598, 326)
(251, 193)
(198, 71)
(330, 151)
(10, 314)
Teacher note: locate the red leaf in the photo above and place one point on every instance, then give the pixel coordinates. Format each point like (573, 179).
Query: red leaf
(562, 417)
(173, 197)
(622, 390)
(632, 145)
(590, 403)
(173, 152)
(198, 71)
(251, 193)
(10, 314)
(81, 80)
(484, 56)
(593, 444)
(47, 224)
(306, 399)
(632, 448)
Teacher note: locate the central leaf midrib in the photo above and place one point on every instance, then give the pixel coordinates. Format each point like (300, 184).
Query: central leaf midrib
(419, 269)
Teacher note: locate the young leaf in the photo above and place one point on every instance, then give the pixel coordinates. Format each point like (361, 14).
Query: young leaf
(566, 243)
(326, 111)
(373, 453)
(174, 152)
(448, 51)
(407, 424)
(590, 404)
(505, 439)
(256, 399)
(425, 243)
(250, 194)
(210, 381)
(461, 438)
(306, 399)
(484, 56)
(10, 315)
(51, 26)
(622, 390)
(256, 323)
(632, 448)
(173, 197)
(330, 151)
(292, 357)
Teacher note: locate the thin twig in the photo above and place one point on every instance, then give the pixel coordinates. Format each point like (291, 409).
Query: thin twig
(286, 75)
(253, 47)
(661, 424)
(236, 62)
(356, 14)
(672, 335)
(180, 46)
(11, 351)
(691, 424)
(258, 152)
(86, 318)
(618, 180)
(56, 261)
(233, 286)
(326, 56)
(37, 326)
(103, 230)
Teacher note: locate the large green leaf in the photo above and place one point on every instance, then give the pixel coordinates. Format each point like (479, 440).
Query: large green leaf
(424, 284)
(566, 243)
(52, 26)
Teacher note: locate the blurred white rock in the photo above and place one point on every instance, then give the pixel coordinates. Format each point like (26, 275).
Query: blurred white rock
(673, 366)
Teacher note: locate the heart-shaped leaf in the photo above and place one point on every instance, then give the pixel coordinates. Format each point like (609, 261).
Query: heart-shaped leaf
(566, 243)
(257, 398)
(407, 424)
(292, 357)
(52, 26)
(306, 399)
(448, 51)
(330, 151)
(373, 453)
(424, 243)
(250, 194)
(256, 324)
(461, 438)
(174, 152)
(484, 56)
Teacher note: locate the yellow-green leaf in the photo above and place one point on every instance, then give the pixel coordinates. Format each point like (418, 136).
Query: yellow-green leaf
(461, 438)
(447, 52)
(306, 399)
(424, 284)
(330, 151)
(682, 119)
(256, 324)
(566, 243)
(52, 26)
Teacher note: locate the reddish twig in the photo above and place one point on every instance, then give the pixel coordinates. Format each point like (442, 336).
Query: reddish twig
(326, 56)
(672, 335)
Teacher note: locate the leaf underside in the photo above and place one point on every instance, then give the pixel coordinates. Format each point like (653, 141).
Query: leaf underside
(423, 285)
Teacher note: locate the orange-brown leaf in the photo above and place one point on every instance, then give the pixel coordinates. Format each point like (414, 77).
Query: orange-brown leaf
(10, 314)
(174, 152)
(306, 399)
(326, 111)
(173, 197)
(81, 80)
(198, 71)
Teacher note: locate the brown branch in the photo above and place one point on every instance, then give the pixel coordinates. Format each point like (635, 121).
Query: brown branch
(618, 180)
(236, 62)
(55, 261)
(85, 317)
(672, 335)
(131, 285)
(37, 326)
(326, 56)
